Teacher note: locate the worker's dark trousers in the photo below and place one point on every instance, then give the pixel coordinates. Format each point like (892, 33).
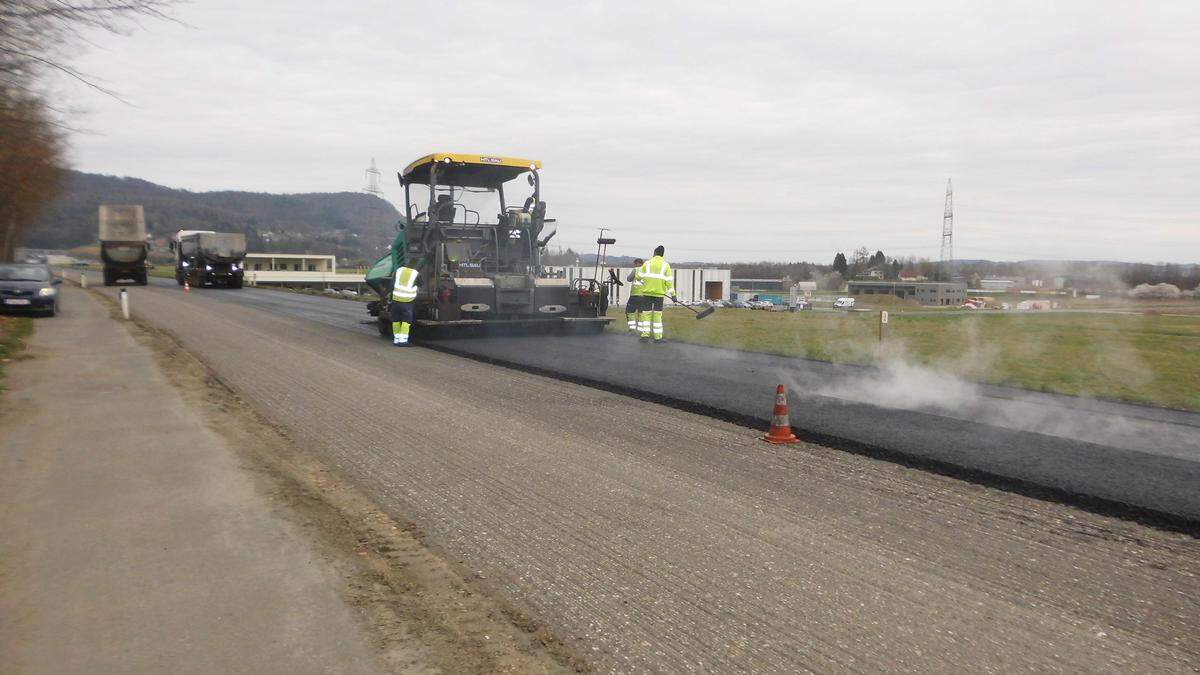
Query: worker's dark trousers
(632, 307)
(401, 314)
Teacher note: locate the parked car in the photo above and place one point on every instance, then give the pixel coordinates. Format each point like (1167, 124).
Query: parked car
(801, 305)
(843, 303)
(28, 288)
(741, 304)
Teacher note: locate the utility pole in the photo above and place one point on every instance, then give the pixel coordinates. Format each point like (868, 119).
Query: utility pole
(947, 233)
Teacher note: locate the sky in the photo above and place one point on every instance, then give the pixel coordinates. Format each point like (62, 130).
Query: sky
(724, 131)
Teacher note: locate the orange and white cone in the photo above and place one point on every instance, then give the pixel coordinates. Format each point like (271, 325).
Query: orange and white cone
(186, 287)
(781, 428)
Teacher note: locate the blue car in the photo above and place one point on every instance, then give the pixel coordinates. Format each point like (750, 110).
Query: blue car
(28, 288)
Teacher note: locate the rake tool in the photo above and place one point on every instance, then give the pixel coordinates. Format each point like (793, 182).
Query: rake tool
(699, 315)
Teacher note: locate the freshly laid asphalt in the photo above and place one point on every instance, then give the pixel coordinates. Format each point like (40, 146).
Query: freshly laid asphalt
(1093, 451)
(653, 539)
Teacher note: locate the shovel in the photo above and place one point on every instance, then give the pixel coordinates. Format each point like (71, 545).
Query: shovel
(699, 315)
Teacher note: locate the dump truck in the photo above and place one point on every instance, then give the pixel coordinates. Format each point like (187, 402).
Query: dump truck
(123, 245)
(479, 274)
(207, 258)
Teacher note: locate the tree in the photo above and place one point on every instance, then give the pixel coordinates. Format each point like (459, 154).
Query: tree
(839, 264)
(33, 36)
(30, 157)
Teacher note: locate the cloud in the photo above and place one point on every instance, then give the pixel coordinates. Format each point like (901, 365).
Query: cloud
(746, 130)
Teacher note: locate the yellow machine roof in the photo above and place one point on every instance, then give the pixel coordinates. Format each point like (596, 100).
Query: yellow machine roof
(466, 170)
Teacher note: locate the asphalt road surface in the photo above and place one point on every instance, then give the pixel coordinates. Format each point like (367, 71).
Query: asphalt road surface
(649, 537)
(1140, 456)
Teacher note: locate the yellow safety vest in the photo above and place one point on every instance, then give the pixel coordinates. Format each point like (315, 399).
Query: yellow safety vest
(405, 287)
(657, 278)
(635, 286)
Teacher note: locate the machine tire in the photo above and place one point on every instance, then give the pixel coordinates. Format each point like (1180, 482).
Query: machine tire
(384, 322)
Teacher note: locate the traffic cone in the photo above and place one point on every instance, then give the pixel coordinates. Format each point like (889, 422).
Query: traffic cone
(781, 428)
(186, 287)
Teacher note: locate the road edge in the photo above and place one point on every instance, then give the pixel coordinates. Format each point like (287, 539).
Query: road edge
(397, 579)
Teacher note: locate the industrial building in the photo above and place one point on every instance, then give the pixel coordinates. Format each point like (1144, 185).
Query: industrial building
(925, 293)
(773, 290)
(691, 284)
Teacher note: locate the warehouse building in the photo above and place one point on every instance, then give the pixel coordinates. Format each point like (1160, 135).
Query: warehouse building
(691, 284)
(925, 293)
(772, 290)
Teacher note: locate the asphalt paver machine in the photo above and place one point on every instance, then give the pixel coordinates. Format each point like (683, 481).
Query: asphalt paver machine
(479, 274)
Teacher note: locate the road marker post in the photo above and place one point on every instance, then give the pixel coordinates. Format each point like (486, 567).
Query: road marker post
(883, 319)
(83, 279)
(780, 432)
(124, 304)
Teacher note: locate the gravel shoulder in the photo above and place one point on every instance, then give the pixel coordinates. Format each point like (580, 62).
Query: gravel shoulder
(153, 522)
(652, 538)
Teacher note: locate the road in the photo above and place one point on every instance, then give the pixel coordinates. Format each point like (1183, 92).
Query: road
(1145, 457)
(653, 538)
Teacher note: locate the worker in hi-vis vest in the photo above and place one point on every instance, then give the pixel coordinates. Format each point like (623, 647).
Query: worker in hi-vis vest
(404, 291)
(657, 282)
(634, 304)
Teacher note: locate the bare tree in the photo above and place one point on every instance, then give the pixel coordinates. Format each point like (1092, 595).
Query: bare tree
(35, 35)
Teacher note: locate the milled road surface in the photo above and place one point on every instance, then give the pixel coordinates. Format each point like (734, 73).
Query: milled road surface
(1145, 457)
(652, 538)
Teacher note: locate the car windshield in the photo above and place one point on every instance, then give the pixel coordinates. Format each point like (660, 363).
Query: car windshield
(23, 273)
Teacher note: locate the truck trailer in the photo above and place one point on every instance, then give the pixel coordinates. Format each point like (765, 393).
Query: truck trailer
(207, 258)
(123, 245)
(479, 273)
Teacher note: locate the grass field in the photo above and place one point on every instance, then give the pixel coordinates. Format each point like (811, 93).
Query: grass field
(13, 332)
(1143, 358)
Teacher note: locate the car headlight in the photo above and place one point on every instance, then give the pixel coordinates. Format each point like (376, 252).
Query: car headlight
(208, 268)
(233, 267)
(47, 292)
(183, 264)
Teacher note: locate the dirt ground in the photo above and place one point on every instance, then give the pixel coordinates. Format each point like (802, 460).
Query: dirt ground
(401, 589)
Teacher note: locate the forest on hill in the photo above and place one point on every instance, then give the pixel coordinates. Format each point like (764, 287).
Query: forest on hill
(350, 225)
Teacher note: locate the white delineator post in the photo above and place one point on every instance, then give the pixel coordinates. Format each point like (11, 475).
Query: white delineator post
(83, 279)
(124, 304)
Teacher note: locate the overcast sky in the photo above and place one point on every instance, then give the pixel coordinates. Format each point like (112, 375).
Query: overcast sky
(728, 130)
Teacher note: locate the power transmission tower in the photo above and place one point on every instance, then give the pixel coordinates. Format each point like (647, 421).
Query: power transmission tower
(947, 231)
(372, 187)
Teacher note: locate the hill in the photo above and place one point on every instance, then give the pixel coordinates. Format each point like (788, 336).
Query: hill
(348, 224)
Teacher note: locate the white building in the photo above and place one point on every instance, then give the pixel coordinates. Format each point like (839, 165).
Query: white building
(298, 270)
(290, 262)
(691, 284)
